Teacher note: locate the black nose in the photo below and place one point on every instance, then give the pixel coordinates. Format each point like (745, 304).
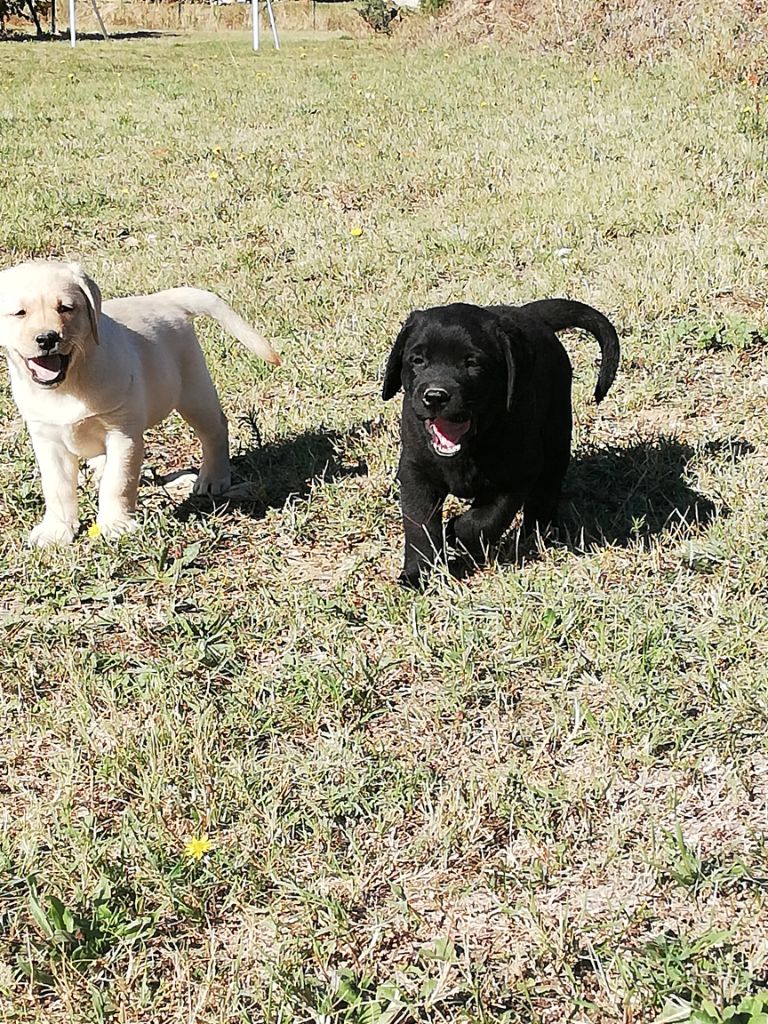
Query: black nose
(48, 339)
(436, 398)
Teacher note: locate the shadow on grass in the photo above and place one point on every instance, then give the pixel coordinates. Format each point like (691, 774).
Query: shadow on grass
(618, 495)
(268, 475)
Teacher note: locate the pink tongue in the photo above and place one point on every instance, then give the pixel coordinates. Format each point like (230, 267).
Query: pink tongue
(450, 431)
(46, 367)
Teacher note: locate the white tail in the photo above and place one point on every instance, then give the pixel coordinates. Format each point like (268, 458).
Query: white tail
(197, 302)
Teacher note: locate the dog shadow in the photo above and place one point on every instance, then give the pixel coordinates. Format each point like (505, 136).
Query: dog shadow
(269, 475)
(63, 37)
(619, 495)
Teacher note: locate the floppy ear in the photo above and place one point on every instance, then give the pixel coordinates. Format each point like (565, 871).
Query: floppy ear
(516, 355)
(393, 373)
(507, 342)
(90, 289)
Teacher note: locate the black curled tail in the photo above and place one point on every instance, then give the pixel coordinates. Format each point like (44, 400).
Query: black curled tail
(562, 313)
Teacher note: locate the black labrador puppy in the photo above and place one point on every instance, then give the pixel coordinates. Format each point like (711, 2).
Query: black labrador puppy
(486, 416)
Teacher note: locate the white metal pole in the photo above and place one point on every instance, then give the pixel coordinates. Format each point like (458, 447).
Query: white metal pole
(72, 28)
(99, 18)
(255, 20)
(268, 4)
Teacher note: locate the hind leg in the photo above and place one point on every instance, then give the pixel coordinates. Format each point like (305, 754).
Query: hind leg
(201, 409)
(540, 510)
(96, 468)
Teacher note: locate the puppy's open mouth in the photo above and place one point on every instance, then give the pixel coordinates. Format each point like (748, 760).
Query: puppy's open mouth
(48, 370)
(446, 436)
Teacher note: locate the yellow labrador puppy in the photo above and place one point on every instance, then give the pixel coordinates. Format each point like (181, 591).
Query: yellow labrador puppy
(89, 380)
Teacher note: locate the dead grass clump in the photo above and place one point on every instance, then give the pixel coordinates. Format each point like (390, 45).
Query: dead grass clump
(633, 29)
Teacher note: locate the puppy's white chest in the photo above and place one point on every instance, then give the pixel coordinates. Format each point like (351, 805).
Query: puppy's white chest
(57, 410)
(85, 439)
(65, 419)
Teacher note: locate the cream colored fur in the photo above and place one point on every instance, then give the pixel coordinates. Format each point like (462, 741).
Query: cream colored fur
(132, 361)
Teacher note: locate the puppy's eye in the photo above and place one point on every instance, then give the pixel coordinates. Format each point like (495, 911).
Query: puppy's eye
(19, 312)
(417, 359)
(64, 308)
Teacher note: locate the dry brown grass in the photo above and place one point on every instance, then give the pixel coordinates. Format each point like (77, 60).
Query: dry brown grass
(291, 16)
(730, 37)
(728, 33)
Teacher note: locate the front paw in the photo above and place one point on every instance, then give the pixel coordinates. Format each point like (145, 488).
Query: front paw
(212, 485)
(414, 577)
(52, 531)
(461, 536)
(116, 526)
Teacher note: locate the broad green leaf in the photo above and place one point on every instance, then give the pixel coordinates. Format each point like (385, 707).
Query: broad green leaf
(40, 917)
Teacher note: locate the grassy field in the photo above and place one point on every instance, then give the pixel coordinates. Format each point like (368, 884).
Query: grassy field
(535, 796)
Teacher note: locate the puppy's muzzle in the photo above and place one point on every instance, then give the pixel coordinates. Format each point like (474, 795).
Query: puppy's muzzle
(435, 399)
(445, 434)
(50, 367)
(47, 341)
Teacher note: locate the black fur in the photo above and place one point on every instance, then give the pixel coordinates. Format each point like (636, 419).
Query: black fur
(503, 371)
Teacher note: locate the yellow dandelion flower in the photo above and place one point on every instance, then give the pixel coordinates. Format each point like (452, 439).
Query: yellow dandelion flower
(214, 175)
(94, 530)
(197, 847)
(356, 231)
